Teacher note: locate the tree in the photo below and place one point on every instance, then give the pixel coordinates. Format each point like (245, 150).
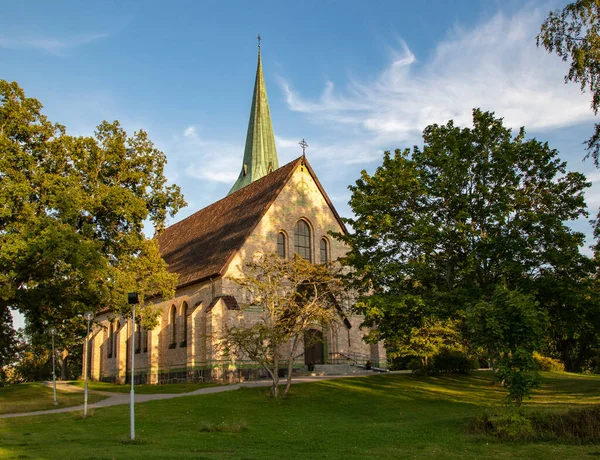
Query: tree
(72, 212)
(8, 343)
(574, 34)
(439, 228)
(512, 327)
(291, 295)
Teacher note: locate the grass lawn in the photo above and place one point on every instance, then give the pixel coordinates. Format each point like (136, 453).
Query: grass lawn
(145, 389)
(380, 416)
(28, 397)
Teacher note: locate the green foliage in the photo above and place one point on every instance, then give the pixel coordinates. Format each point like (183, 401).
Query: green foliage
(475, 219)
(579, 425)
(447, 361)
(573, 33)
(453, 362)
(511, 327)
(33, 362)
(72, 210)
(547, 364)
(8, 343)
(431, 339)
(570, 295)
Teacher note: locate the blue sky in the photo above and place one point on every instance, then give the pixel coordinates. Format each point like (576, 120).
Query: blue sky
(350, 79)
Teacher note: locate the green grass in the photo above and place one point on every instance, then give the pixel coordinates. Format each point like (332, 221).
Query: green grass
(382, 416)
(145, 389)
(28, 397)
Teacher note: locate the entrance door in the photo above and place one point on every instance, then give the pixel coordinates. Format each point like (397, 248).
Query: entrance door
(313, 347)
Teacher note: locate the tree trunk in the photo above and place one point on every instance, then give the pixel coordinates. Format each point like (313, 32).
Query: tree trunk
(275, 373)
(63, 364)
(291, 366)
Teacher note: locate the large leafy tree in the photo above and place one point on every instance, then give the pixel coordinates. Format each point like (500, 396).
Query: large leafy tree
(439, 228)
(574, 34)
(72, 212)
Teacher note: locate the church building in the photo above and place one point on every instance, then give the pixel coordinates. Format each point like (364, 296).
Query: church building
(283, 210)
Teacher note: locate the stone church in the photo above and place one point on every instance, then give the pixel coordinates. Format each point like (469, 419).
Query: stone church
(283, 210)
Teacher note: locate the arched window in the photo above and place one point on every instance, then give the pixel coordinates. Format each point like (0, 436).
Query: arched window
(109, 345)
(145, 339)
(173, 326)
(116, 338)
(302, 240)
(281, 245)
(324, 250)
(184, 309)
(138, 337)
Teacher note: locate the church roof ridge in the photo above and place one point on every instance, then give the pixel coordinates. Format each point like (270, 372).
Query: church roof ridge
(260, 152)
(203, 244)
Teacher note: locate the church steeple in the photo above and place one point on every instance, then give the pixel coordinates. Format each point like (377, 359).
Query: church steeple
(260, 154)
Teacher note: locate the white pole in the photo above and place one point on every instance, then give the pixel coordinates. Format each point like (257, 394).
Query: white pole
(54, 368)
(88, 316)
(132, 398)
(85, 368)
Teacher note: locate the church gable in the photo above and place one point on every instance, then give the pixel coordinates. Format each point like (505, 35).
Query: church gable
(298, 220)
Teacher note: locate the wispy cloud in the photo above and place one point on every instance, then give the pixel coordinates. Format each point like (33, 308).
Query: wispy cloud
(52, 45)
(207, 159)
(495, 66)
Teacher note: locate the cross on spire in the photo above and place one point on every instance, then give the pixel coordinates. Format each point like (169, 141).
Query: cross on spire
(304, 145)
(259, 39)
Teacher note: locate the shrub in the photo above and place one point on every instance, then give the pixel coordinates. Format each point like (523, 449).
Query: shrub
(580, 425)
(445, 362)
(414, 365)
(547, 364)
(452, 362)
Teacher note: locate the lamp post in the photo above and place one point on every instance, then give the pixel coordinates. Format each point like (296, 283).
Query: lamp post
(132, 299)
(52, 332)
(88, 315)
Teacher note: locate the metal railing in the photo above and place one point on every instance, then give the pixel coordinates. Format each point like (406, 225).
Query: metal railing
(357, 359)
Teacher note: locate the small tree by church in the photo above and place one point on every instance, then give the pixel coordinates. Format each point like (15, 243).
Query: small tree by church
(291, 296)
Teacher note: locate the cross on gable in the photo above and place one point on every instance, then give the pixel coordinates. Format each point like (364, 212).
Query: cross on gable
(304, 145)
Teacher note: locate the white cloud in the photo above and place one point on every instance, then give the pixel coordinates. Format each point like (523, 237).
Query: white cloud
(206, 159)
(495, 66)
(51, 45)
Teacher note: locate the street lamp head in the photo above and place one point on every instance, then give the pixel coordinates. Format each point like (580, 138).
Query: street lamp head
(133, 298)
(52, 331)
(88, 315)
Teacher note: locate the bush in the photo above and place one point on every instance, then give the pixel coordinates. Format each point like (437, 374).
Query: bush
(547, 364)
(445, 362)
(414, 365)
(452, 362)
(580, 425)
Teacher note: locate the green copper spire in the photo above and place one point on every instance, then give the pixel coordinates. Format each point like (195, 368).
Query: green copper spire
(260, 154)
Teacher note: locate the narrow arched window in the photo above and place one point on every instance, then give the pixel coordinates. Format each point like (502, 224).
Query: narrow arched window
(173, 325)
(302, 244)
(281, 246)
(109, 347)
(324, 250)
(184, 310)
(116, 338)
(138, 337)
(145, 339)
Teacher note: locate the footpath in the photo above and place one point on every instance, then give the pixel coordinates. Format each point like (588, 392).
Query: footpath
(115, 399)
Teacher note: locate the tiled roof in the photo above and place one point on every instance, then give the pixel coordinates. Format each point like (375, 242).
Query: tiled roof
(203, 244)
